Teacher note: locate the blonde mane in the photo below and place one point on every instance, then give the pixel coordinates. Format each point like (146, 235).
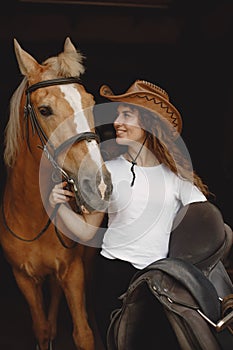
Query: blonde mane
(13, 130)
(66, 64)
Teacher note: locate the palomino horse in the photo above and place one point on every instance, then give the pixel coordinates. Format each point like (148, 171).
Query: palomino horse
(50, 95)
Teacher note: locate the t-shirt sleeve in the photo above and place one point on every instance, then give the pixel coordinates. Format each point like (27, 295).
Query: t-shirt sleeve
(189, 193)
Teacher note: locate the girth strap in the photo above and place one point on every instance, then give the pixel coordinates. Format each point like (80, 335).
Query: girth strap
(227, 307)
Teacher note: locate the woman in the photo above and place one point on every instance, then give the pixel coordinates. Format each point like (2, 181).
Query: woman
(152, 181)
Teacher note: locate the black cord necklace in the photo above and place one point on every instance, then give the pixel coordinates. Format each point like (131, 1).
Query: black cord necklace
(133, 161)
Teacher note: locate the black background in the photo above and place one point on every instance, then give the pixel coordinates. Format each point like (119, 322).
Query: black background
(185, 48)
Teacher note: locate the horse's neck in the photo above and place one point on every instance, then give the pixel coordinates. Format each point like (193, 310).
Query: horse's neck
(26, 190)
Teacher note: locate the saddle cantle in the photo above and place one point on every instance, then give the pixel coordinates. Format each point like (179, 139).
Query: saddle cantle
(201, 237)
(185, 300)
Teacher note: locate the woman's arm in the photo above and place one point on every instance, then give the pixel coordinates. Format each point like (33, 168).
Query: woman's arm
(82, 226)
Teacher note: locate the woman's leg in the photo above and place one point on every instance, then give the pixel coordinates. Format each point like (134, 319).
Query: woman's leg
(111, 280)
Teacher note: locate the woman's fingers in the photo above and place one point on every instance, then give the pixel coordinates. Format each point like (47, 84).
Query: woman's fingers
(62, 189)
(59, 194)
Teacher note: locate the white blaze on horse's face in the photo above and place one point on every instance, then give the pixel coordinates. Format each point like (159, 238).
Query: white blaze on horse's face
(73, 97)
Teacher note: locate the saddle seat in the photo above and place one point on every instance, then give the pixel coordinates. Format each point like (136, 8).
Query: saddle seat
(200, 237)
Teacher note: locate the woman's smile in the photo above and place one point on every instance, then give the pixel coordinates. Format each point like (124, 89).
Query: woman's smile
(127, 125)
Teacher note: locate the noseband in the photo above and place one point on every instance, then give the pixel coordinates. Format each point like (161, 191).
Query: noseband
(29, 111)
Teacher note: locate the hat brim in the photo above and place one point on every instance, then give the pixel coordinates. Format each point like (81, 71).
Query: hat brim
(151, 101)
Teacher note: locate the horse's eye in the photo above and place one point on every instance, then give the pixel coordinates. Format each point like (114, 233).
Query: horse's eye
(45, 111)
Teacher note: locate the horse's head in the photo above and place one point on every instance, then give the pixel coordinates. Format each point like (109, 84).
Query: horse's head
(58, 112)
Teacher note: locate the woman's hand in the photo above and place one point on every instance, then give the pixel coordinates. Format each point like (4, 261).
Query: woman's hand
(82, 226)
(60, 195)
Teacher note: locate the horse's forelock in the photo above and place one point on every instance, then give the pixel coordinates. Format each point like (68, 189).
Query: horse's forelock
(67, 64)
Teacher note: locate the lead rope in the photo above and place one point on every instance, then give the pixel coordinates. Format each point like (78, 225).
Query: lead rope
(133, 161)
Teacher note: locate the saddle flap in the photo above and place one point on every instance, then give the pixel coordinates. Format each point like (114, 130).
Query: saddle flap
(179, 275)
(176, 289)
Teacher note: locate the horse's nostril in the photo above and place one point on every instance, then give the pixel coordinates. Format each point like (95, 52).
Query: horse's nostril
(110, 189)
(86, 187)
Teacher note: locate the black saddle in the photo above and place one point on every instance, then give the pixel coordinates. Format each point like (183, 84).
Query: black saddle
(201, 237)
(184, 301)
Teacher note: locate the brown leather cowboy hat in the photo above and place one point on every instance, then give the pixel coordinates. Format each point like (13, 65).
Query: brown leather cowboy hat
(145, 94)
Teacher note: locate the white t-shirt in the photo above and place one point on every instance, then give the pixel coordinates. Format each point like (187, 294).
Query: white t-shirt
(141, 217)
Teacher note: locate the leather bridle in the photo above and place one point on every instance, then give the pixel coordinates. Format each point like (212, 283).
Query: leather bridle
(29, 111)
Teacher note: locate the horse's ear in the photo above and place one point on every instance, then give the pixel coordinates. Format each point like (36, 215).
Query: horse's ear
(26, 62)
(70, 61)
(68, 46)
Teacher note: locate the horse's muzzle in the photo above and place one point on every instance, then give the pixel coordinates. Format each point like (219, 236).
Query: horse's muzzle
(93, 192)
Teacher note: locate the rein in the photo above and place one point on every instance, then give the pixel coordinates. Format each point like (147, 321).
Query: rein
(30, 114)
(24, 239)
(58, 234)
